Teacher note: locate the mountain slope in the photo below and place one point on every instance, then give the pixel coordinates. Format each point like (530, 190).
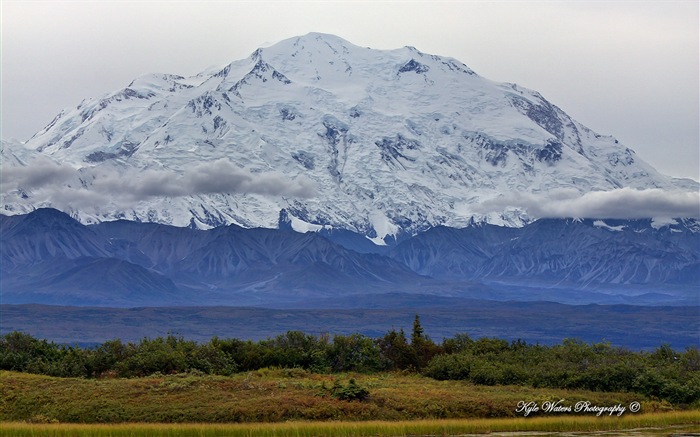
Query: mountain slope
(48, 257)
(599, 252)
(379, 142)
(581, 254)
(46, 233)
(91, 281)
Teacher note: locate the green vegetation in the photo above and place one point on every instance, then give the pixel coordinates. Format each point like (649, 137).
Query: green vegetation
(296, 376)
(664, 374)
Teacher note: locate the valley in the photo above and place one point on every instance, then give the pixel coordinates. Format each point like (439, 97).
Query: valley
(634, 327)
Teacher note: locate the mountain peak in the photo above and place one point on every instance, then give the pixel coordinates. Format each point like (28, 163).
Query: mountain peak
(326, 38)
(320, 39)
(380, 142)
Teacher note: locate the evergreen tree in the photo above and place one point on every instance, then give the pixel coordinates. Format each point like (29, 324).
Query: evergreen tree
(417, 336)
(396, 351)
(423, 347)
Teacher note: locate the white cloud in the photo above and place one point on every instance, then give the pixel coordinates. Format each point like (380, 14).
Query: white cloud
(62, 186)
(624, 203)
(42, 172)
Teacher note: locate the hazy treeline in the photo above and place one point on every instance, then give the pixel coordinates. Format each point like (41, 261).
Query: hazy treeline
(664, 373)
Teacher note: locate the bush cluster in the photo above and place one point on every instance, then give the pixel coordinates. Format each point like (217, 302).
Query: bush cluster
(295, 349)
(350, 392)
(664, 374)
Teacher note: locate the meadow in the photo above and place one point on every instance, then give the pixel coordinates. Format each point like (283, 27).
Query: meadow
(664, 374)
(300, 384)
(279, 395)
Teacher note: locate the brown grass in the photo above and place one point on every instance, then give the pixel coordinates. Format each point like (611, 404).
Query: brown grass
(270, 395)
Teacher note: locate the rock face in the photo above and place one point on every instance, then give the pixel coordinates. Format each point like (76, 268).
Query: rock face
(319, 132)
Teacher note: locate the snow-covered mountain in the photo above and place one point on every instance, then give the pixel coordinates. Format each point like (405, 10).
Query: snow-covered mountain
(315, 132)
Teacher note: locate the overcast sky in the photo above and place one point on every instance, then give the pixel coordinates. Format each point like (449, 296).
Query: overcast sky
(627, 68)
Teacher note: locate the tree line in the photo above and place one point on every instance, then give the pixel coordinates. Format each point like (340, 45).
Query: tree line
(663, 373)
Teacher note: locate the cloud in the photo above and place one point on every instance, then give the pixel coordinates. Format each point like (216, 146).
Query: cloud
(42, 172)
(50, 182)
(222, 176)
(66, 198)
(624, 203)
(216, 177)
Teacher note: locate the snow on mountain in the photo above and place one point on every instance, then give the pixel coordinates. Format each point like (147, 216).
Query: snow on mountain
(323, 133)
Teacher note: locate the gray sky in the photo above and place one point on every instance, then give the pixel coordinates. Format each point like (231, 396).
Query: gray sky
(626, 68)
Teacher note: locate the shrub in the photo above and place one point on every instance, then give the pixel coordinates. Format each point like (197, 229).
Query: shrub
(452, 366)
(350, 392)
(355, 353)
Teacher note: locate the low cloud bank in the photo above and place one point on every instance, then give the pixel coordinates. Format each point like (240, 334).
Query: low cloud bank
(42, 172)
(65, 186)
(216, 177)
(623, 203)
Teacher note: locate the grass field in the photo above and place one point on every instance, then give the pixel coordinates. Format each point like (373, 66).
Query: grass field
(642, 424)
(274, 395)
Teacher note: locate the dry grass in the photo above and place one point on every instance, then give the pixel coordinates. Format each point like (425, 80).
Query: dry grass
(652, 423)
(273, 395)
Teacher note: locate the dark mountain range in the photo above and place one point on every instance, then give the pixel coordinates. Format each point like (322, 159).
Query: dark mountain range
(48, 257)
(89, 281)
(576, 253)
(44, 234)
